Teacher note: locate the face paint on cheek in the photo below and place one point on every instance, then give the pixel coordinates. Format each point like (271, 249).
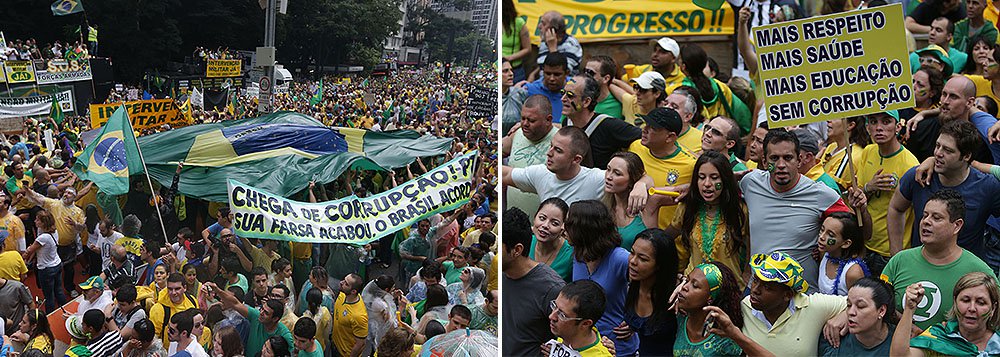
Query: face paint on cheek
(831, 241)
(770, 168)
(718, 186)
(575, 106)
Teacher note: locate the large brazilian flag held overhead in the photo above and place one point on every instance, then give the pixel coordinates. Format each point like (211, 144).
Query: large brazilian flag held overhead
(111, 157)
(279, 153)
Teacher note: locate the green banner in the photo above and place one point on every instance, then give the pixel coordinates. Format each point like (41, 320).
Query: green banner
(353, 220)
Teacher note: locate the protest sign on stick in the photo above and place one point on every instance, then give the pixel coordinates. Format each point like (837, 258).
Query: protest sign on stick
(835, 66)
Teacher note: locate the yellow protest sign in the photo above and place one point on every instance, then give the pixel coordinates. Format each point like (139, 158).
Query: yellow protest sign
(19, 71)
(607, 19)
(144, 114)
(835, 66)
(223, 68)
(353, 220)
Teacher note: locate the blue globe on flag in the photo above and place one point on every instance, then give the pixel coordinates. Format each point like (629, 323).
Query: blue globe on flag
(110, 154)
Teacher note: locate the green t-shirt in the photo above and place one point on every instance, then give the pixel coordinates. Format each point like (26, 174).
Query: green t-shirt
(317, 353)
(481, 321)
(909, 266)
(562, 264)
(451, 275)
(258, 335)
(629, 232)
(241, 282)
(714, 345)
(609, 106)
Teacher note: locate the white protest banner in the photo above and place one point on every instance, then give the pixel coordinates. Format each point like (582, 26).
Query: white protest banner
(557, 349)
(37, 105)
(353, 220)
(60, 70)
(834, 66)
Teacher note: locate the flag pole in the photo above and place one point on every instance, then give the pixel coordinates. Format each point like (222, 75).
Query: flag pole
(156, 205)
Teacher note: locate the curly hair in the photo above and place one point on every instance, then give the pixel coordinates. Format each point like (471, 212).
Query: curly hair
(730, 295)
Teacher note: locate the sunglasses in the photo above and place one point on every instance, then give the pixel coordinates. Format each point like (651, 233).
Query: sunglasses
(590, 72)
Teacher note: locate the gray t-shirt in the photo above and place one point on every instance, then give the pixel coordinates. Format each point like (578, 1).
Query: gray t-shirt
(14, 298)
(525, 331)
(788, 221)
(128, 320)
(587, 185)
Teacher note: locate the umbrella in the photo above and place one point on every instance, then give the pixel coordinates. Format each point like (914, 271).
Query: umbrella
(461, 343)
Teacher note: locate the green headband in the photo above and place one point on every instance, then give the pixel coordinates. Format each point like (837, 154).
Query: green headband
(714, 277)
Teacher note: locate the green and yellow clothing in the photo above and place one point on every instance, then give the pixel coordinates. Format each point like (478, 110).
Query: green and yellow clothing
(672, 170)
(833, 162)
(818, 173)
(718, 244)
(895, 164)
(690, 139)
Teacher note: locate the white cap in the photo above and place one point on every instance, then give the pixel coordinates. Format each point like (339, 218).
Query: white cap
(650, 80)
(668, 44)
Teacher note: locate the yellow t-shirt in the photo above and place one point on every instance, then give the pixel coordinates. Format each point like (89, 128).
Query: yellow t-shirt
(12, 265)
(301, 250)
(990, 13)
(630, 108)
(673, 170)
(13, 225)
(835, 166)
(878, 203)
(25, 203)
(751, 165)
(350, 321)
(675, 79)
(689, 257)
(60, 211)
(983, 86)
(41, 342)
(690, 139)
(595, 349)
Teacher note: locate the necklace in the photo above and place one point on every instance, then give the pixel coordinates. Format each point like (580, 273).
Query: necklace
(707, 232)
(548, 257)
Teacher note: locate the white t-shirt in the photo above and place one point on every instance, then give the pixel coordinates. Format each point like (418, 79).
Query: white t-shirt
(104, 244)
(47, 255)
(587, 185)
(102, 302)
(193, 348)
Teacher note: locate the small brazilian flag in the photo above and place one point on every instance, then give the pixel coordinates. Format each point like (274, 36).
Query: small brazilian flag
(56, 112)
(318, 96)
(66, 7)
(112, 156)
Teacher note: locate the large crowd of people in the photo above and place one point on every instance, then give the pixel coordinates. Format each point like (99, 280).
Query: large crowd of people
(209, 292)
(657, 213)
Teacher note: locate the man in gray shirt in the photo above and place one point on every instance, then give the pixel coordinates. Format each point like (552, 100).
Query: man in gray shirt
(786, 209)
(526, 323)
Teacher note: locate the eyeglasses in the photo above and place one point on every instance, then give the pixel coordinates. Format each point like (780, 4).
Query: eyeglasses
(568, 93)
(714, 131)
(562, 315)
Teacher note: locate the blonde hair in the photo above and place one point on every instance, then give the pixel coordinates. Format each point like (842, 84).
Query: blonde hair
(972, 280)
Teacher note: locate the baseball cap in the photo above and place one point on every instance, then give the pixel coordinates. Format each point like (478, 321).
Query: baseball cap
(778, 267)
(668, 44)
(892, 113)
(94, 282)
(663, 117)
(807, 140)
(651, 80)
(74, 325)
(941, 54)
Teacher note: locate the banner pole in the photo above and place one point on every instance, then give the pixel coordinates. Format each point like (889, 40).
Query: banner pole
(148, 180)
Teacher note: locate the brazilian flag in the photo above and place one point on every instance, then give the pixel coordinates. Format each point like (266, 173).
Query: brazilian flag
(112, 156)
(318, 96)
(278, 153)
(66, 7)
(56, 112)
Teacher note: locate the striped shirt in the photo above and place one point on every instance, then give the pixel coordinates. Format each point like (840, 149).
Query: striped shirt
(107, 345)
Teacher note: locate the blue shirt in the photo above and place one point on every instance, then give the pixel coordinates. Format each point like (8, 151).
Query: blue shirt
(612, 275)
(555, 98)
(983, 121)
(979, 191)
